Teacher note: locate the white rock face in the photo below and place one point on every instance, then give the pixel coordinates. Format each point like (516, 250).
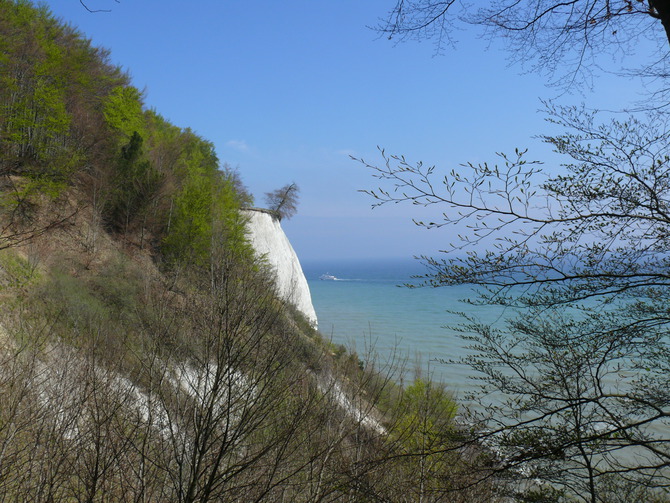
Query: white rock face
(268, 238)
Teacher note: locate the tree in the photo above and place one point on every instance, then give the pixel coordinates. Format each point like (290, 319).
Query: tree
(581, 373)
(235, 178)
(136, 182)
(551, 33)
(283, 202)
(579, 369)
(52, 124)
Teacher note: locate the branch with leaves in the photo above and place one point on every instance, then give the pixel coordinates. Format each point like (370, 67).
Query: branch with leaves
(573, 381)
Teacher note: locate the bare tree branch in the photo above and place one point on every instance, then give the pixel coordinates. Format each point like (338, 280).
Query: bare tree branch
(95, 10)
(562, 39)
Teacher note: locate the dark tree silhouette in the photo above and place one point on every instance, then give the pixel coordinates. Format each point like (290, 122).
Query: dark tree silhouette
(579, 372)
(284, 201)
(550, 35)
(85, 5)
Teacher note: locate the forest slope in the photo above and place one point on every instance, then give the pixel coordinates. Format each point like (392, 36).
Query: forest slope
(145, 354)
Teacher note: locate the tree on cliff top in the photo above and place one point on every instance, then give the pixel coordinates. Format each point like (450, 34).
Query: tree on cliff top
(283, 201)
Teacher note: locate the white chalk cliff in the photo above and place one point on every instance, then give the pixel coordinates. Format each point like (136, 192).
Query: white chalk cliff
(267, 237)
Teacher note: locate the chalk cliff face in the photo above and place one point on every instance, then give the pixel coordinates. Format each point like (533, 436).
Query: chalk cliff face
(268, 238)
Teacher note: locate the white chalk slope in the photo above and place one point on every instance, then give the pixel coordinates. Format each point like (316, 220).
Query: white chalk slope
(268, 238)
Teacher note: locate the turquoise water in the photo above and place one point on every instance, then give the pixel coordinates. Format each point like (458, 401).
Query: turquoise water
(365, 306)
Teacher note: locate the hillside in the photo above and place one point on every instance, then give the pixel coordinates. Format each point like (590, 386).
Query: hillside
(145, 353)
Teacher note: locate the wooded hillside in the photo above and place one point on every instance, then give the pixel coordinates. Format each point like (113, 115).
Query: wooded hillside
(144, 355)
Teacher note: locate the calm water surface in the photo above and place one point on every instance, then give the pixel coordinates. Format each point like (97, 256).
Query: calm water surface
(366, 305)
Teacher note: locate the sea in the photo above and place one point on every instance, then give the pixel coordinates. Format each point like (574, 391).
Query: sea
(368, 309)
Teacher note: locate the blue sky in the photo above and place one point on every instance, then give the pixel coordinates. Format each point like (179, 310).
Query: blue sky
(288, 90)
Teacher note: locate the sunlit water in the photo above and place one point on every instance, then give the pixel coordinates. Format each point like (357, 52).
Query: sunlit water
(367, 306)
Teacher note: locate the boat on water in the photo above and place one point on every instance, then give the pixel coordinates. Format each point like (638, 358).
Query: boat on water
(327, 277)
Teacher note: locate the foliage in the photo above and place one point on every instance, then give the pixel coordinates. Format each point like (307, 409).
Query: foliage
(137, 387)
(136, 184)
(205, 210)
(233, 174)
(16, 270)
(163, 366)
(70, 118)
(425, 429)
(53, 84)
(574, 387)
(123, 111)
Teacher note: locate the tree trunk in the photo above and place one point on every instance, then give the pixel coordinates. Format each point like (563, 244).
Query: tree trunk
(662, 12)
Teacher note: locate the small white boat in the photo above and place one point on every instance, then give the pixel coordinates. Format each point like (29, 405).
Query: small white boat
(327, 277)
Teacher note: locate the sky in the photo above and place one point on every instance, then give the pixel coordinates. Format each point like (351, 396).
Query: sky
(288, 91)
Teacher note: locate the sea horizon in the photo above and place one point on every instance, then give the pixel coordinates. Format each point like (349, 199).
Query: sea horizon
(367, 309)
